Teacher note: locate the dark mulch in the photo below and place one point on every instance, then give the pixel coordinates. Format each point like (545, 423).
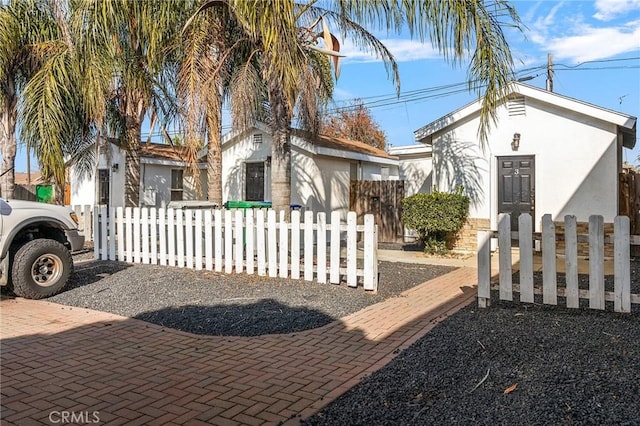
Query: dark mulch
(565, 367)
(562, 366)
(205, 302)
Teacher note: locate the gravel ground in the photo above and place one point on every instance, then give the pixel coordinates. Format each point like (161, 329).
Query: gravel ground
(210, 303)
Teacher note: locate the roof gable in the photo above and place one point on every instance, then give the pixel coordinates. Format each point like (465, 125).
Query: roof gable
(318, 144)
(626, 123)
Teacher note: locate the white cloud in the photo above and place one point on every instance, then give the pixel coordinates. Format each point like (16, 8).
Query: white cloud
(607, 10)
(403, 50)
(596, 43)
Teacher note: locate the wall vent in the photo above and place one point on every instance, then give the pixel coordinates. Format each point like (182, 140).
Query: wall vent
(516, 106)
(257, 138)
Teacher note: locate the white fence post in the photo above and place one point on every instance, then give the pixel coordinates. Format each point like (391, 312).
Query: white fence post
(622, 262)
(188, 237)
(197, 239)
(308, 245)
(284, 246)
(321, 248)
(217, 240)
(144, 220)
(596, 262)
(504, 244)
(249, 241)
(136, 235)
(228, 242)
(171, 237)
(272, 253)
(352, 249)
(208, 240)
(96, 239)
(549, 269)
(104, 242)
(153, 235)
(295, 244)
(120, 233)
(239, 240)
(260, 243)
(370, 280)
(484, 268)
(571, 261)
(334, 265)
(525, 245)
(162, 233)
(180, 238)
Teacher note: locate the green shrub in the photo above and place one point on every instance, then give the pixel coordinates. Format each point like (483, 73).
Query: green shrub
(436, 217)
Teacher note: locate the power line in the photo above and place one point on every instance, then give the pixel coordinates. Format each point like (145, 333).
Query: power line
(435, 92)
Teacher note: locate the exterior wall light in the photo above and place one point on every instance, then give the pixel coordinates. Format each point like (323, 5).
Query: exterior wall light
(515, 143)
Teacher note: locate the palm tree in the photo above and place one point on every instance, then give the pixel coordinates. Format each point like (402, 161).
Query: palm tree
(52, 113)
(203, 78)
(23, 24)
(133, 43)
(283, 33)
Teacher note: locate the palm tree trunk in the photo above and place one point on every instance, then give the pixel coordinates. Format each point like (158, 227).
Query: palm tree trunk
(214, 153)
(134, 114)
(132, 168)
(8, 140)
(280, 148)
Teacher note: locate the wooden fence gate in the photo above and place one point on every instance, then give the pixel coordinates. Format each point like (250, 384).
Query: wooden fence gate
(629, 199)
(382, 199)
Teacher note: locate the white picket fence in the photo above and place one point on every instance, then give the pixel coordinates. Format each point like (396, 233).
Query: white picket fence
(596, 294)
(241, 241)
(85, 216)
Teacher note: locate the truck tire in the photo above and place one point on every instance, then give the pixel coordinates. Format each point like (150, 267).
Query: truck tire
(40, 269)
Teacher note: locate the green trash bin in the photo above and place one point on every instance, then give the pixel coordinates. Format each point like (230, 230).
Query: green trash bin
(244, 205)
(45, 194)
(239, 204)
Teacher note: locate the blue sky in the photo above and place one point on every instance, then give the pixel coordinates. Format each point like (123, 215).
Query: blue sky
(587, 39)
(596, 54)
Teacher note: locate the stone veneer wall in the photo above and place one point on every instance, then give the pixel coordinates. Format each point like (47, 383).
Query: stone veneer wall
(467, 238)
(583, 248)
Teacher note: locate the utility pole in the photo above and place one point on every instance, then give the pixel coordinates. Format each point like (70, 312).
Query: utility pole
(549, 72)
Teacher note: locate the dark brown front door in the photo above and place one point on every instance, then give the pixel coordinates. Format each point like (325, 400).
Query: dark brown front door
(254, 182)
(516, 186)
(103, 187)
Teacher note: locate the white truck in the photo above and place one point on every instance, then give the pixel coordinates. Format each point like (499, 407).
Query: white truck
(36, 241)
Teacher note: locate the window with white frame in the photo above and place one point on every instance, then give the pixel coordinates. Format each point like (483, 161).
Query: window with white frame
(177, 185)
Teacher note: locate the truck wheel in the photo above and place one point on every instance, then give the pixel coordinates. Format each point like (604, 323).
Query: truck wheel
(41, 268)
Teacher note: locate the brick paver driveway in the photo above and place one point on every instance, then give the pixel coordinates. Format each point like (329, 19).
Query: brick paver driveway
(94, 367)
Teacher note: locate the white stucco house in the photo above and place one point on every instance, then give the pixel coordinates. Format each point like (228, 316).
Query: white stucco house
(163, 177)
(322, 168)
(415, 167)
(547, 154)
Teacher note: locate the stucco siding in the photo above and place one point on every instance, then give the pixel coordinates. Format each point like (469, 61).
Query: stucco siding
(307, 187)
(417, 174)
(335, 180)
